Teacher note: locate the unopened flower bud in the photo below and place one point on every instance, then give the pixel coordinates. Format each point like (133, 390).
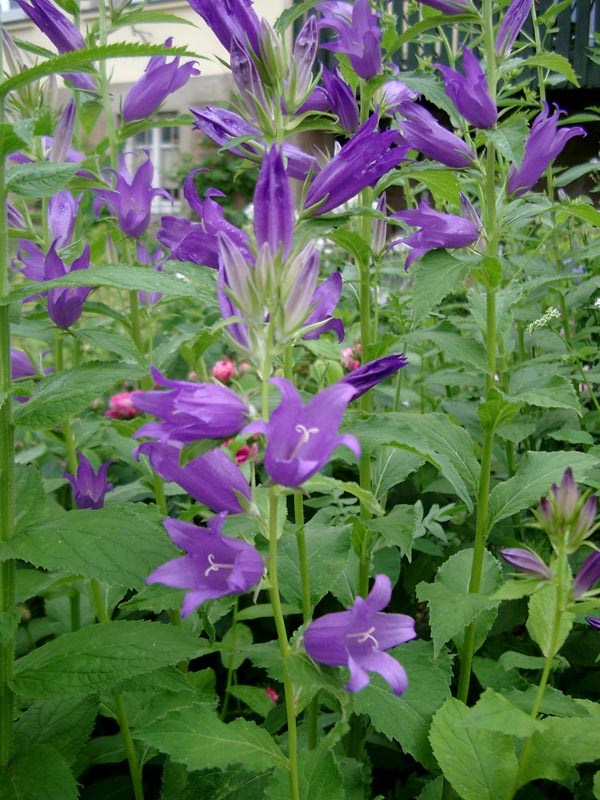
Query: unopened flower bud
(121, 406)
(567, 515)
(223, 370)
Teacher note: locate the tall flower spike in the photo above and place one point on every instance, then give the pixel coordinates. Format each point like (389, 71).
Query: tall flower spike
(358, 37)
(469, 92)
(543, 145)
(302, 438)
(160, 79)
(214, 565)
(437, 231)
(511, 25)
(423, 132)
(211, 479)
(368, 155)
(131, 199)
(190, 411)
(359, 637)
(89, 487)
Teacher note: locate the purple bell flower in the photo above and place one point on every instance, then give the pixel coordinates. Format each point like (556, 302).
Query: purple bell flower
(437, 231)
(526, 561)
(230, 18)
(342, 100)
(594, 622)
(394, 93)
(324, 301)
(368, 155)
(588, 575)
(131, 199)
(301, 438)
(20, 365)
(449, 6)
(511, 25)
(214, 565)
(469, 92)
(425, 134)
(14, 218)
(62, 215)
(273, 205)
(160, 79)
(63, 34)
(370, 374)
(359, 36)
(190, 411)
(359, 637)
(198, 241)
(543, 145)
(222, 126)
(212, 479)
(89, 487)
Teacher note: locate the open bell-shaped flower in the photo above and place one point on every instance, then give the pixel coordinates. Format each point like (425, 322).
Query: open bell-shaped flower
(469, 92)
(214, 565)
(424, 133)
(359, 637)
(89, 486)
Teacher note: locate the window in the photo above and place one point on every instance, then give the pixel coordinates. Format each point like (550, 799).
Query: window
(163, 147)
(10, 10)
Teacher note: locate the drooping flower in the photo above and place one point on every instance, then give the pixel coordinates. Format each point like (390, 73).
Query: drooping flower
(543, 145)
(214, 565)
(230, 18)
(89, 486)
(526, 561)
(121, 406)
(63, 34)
(64, 304)
(302, 438)
(424, 133)
(511, 25)
(368, 155)
(436, 230)
(131, 199)
(160, 79)
(588, 575)
(198, 241)
(359, 637)
(212, 479)
(449, 6)
(359, 36)
(190, 411)
(469, 92)
(222, 125)
(273, 205)
(566, 514)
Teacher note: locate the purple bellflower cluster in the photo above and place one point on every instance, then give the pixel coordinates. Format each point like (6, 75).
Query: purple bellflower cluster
(358, 31)
(359, 637)
(89, 487)
(567, 515)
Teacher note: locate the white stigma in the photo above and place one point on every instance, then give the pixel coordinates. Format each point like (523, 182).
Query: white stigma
(214, 567)
(365, 636)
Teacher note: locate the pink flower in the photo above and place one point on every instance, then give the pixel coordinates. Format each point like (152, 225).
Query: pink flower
(350, 357)
(120, 406)
(245, 452)
(272, 694)
(223, 370)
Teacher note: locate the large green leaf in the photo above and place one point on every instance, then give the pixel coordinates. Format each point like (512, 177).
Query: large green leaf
(65, 723)
(407, 719)
(540, 623)
(479, 764)
(38, 774)
(494, 712)
(68, 393)
(96, 658)
(319, 776)
(445, 445)
(119, 545)
(532, 480)
(542, 389)
(452, 607)
(434, 276)
(39, 179)
(197, 738)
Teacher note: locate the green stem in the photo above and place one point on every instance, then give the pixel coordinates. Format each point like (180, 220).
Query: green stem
(67, 430)
(284, 648)
(230, 668)
(7, 482)
(122, 719)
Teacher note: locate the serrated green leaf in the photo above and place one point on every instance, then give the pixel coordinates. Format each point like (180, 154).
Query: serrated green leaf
(555, 63)
(544, 391)
(38, 774)
(66, 724)
(532, 480)
(39, 179)
(479, 764)
(10, 139)
(119, 545)
(452, 607)
(96, 658)
(197, 738)
(540, 623)
(319, 775)
(434, 276)
(493, 712)
(407, 719)
(560, 745)
(66, 394)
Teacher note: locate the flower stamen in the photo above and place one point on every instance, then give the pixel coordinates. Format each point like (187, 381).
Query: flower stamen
(365, 636)
(214, 566)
